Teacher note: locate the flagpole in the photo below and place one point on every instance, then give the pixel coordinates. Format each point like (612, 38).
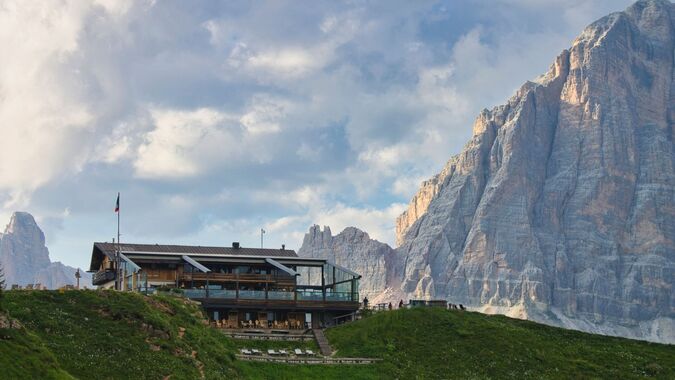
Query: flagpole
(119, 280)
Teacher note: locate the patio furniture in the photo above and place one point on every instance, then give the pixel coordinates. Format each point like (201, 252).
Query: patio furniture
(299, 352)
(272, 352)
(283, 352)
(310, 352)
(245, 351)
(255, 351)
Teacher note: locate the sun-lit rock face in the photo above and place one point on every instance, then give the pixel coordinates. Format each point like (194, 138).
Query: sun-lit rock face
(564, 199)
(25, 258)
(561, 208)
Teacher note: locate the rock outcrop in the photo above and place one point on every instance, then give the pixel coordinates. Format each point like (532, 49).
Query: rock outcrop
(353, 249)
(25, 258)
(561, 208)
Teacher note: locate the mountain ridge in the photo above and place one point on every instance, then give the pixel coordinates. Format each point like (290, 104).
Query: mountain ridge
(561, 207)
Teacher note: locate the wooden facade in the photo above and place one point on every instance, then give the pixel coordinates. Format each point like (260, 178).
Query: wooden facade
(261, 288)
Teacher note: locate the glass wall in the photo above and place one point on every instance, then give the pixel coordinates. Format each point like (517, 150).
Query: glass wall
(320, 282)
(340, 285)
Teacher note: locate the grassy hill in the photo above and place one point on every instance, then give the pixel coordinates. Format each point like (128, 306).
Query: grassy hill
(109, 335)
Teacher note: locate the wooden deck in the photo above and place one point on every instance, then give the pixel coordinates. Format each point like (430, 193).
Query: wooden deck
(269, 304)
(239, 277)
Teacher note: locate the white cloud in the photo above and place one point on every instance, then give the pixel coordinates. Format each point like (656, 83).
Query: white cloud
(302, 115)
(41, 110)
(185, 143)
(291, 61)
(265, 114)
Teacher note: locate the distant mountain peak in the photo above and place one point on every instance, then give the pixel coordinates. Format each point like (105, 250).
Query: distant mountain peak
(25, 257)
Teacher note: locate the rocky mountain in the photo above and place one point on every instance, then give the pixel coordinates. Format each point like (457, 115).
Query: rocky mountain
(561, 208)
(25, 258)
(353, 249)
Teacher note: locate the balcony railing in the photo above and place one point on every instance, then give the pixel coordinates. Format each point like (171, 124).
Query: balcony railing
(236, 277)
(102, 277)
(299, 295)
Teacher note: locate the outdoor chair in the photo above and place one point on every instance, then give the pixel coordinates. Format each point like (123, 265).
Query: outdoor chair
(283, 352)
(245, 351)
(298, 352)
(255, 351)
(272, 352)
(310, 352)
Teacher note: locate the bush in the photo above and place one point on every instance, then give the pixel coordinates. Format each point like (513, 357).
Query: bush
(2, 285)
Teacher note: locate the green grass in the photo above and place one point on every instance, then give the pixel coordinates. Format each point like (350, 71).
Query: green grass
(22, 356)
(436, 344)
(106, 335)
(86, 331)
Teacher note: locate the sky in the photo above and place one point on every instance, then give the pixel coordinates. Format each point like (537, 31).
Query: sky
(216, 119)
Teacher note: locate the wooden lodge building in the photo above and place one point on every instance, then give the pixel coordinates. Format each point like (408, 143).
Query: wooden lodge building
(238, 287)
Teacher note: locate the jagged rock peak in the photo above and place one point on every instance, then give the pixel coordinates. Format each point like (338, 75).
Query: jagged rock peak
(562, 204)
(353, 249)
(23, 223)
(25, 257)
(318, 238)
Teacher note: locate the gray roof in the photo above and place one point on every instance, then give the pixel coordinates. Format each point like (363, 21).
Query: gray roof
(108, 249)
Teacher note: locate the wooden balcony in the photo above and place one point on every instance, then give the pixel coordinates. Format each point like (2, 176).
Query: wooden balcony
(214, 278)
(102, 277)
(299, 299)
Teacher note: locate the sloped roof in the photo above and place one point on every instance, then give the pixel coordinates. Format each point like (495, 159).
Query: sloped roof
(108, 249)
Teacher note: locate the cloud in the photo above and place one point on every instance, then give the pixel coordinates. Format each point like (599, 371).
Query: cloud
(214, 120)
(41, 110)
(184, 143)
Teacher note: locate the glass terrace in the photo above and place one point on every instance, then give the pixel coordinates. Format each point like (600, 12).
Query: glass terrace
(301, 280)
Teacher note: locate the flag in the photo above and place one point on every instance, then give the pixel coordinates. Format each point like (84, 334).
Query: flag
(117, 204)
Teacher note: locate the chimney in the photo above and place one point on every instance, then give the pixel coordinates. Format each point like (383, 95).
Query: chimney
(235, 244)
(283, 247)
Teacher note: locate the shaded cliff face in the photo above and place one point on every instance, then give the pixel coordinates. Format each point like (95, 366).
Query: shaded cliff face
(353, 249)
(25, 258)
(563, 203)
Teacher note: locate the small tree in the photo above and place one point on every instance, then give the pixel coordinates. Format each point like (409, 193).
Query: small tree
(2, 285)
(2, 279)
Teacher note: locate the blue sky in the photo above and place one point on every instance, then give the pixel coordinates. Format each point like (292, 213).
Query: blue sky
(214, 119)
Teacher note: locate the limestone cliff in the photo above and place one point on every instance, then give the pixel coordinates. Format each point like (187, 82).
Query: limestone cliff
(25, 258)
(561, 207)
